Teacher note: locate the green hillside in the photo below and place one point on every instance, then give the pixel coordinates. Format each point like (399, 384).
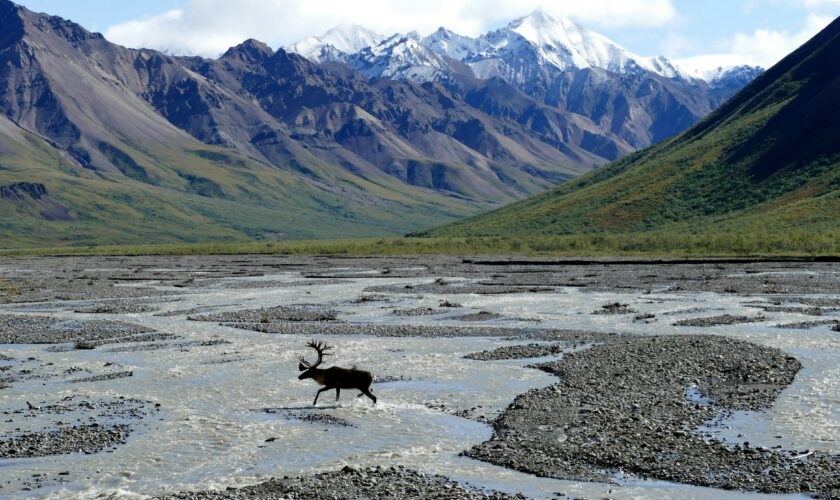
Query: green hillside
(193, 192)
(766, 161)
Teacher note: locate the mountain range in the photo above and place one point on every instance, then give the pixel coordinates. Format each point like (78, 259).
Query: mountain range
(551, 59)
(768, 160)
(104, 144)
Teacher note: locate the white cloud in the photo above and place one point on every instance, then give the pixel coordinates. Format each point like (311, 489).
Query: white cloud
(760, 48)
(767, 47)
(209, 27)
(675, 45)
(708, 66)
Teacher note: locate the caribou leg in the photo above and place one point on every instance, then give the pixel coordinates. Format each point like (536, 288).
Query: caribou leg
(337, 394)
(368, 393)
(319, 393)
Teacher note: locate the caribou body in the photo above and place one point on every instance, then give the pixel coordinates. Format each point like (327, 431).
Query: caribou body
(334, 377)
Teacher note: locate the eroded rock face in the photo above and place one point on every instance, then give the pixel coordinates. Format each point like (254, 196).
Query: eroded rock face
(624, 405)
(21, 190)
(35, 197)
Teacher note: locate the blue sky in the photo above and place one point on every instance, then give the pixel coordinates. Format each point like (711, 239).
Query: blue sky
(752, 31)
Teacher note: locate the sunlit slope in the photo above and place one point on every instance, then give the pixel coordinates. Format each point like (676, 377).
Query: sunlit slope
(767, 160)
(190, 192)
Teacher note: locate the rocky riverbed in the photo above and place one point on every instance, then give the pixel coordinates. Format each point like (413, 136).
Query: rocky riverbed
(623, 406)
(351, 482)
(178, 377)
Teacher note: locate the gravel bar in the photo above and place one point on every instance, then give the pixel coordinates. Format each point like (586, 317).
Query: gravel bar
(351, 483)
(623, 405)
(85, 438)
(271, 314)
(20, 329)
(430, 331)
(726, 319)
(518, 352)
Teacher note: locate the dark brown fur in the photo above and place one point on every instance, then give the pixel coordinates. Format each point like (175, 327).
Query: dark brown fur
(335, 377)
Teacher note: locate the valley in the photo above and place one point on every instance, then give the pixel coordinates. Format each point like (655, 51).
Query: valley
(555, 267)
(144, 357)
(134, 146)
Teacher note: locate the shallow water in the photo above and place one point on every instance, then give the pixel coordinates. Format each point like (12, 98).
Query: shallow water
(216, 416)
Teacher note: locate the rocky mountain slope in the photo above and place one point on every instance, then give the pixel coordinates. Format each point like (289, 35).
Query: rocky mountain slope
(104, 144)
(557, 62)
(136, 145)
(767, 160)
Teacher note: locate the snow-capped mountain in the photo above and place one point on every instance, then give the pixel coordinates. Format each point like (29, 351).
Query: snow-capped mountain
(451, 44)
(553, 60)
(735, 78)
(337, 43)
(561, 44)
(400, 57)
(720, 71)
(537, 44)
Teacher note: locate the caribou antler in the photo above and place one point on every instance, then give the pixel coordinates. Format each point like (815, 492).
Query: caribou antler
(334, 377)
(321, 348)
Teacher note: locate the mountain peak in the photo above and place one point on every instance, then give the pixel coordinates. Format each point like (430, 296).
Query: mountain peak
(250, 50)
(565, 44)
(719, 69)
(11, 21)
(542, 20)
(8, 7)
(542, 16)
(345, 39)
(451, 44)
(561, 42)
(401, 56)
(47, 24)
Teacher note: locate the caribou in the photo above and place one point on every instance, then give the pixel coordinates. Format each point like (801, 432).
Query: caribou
(334, 377)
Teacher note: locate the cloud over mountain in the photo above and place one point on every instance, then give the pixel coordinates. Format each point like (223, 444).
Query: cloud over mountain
(209, 27)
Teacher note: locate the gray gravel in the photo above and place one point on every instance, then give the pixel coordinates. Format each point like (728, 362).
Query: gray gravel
(817, 301)
(620, 405)
(351, 483)
(574, 337)
(271, 314)
(20, 329)
(518, 352)
(614, 308)
(380, 330)
(377, 330)
(319, 418)
(441, 287)
(623, 405)
(181, 346)
(116, 308)
(417, 311)
(184, 312)
(477, 316)
(104, 377)
(83, 278)
(804, 310)
(804, 325)
(726, 319)
(84, 438)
